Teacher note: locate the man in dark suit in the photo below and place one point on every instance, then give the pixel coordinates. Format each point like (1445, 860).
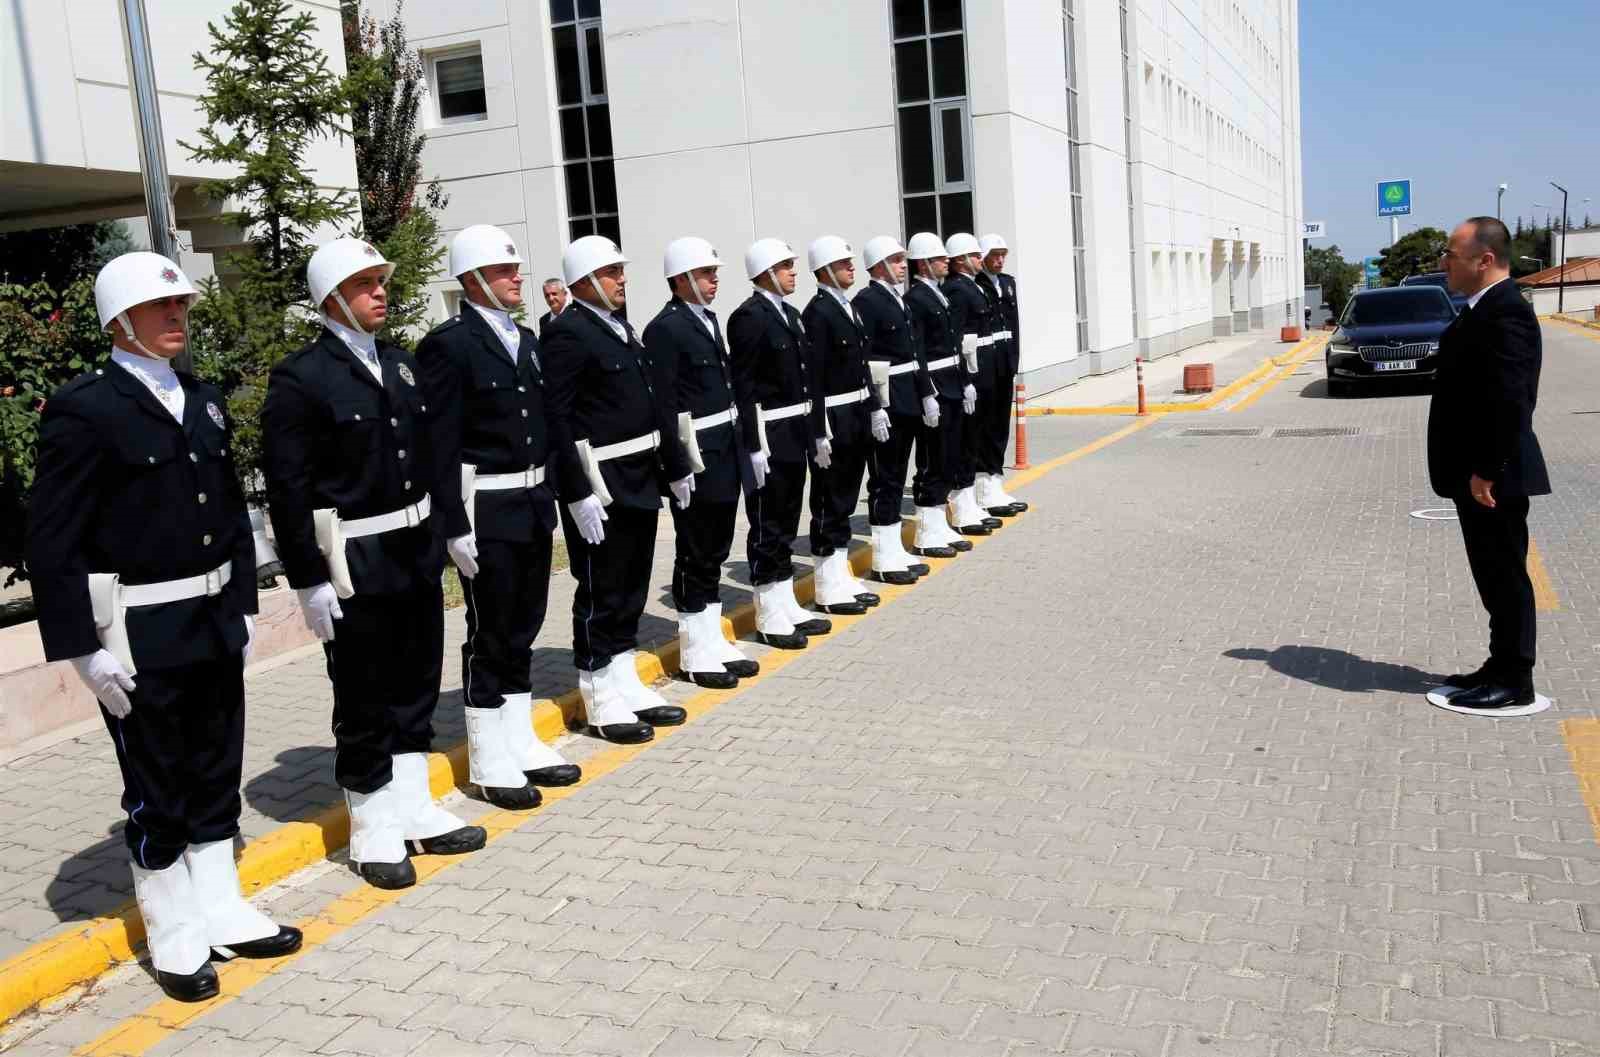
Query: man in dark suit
(684, 343)
(1483, 455)
(496, 511)
(557, 298)
(611, 436)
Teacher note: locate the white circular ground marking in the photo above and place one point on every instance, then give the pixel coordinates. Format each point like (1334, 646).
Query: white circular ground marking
(1438, 513)
(1440, 696)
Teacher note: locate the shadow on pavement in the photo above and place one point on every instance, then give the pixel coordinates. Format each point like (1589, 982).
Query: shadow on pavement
(299, 783)
(1339, 670)
(92, 882)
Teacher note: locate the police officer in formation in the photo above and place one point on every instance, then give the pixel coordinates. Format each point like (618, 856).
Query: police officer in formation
(143, 569)
(481, 369)
(976, 320)
(939, 441)
(613, 439)
(352, 469)
(693, 376)
(1001, 290)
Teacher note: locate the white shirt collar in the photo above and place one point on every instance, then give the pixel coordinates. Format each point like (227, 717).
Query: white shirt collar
(503, 325)
(838, 295)
(1472, 302)
(891, 287)
(365, 346)
(157, 376)
(609, 318)
(935, 288)
(702, 314)
(775, 299)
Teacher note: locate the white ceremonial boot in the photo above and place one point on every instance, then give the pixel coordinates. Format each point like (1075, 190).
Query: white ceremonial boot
(698, 655)
(425, 825)
(490, 764)
(930, 541)
(644, 701)
(835, 589)
(234, 928)
(775, 624)
(733, 659)
(890, 563)
(606, 710)
(175, 931)
(540, 764)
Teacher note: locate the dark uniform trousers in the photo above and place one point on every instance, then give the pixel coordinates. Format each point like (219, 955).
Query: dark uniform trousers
(836, 346)
(938, 451)
(335, 436)
(123, 487)
(492, 417)
(971, 313)
(599, 387)
(893, 337)
(1001, 290)
(773, 368)
(693, 372)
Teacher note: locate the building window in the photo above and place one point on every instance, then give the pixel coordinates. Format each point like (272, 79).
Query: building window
(457, 83)
(584, 113)
(1080, 268)
(935, 122)
(1127, 136)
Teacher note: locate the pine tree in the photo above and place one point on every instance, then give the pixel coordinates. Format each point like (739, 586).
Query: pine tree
(387, 74)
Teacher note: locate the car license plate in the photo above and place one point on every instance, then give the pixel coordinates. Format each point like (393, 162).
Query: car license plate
(1396, 365)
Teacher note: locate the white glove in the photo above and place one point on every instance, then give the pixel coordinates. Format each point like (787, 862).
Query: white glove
(464, 552)
(758, 468)
(249, 635)
(824, 455)
(969, 399)
(930, 411)
(107, 680)
(682, 490)
(880, 425)
(320, 606)
(590, 514)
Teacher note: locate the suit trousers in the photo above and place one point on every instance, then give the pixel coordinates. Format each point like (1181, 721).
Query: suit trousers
(996, 413)
(773, 511)
(505, 610)
(1497, 551)
(181, 751)
(834, 495)
(938, 455)
(384, 662)
(887, 466)
(704, 538)
(613, 583)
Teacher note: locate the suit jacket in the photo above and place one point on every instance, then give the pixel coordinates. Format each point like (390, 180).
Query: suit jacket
(940, 338)
(1481, 418)
(971, 312)
(838, 348)
(491, 416)
(599, 388)
(770, 368)
(1002, 293)
(334, 436)
(544, 320)
(893, 335)
(693, 375)
(123, 487)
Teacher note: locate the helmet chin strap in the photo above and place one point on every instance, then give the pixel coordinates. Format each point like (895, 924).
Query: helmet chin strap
(694, 287)
(777, 287)
(133, 339)
(349, 316)
(834, 279)
(599, 291)
(487, 291)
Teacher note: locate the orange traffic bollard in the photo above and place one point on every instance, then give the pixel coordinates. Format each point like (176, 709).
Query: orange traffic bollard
(1022, 428)
(1138, 370)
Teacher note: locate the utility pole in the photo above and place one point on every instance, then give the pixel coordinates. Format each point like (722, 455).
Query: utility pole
(152, 146)
(1498, 196)
(1561, 278)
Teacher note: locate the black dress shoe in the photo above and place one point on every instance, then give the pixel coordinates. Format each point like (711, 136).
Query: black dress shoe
(961, 546)
(558, 775)
(624, 733)
(390, 875)
(973, 530)
(287, 941)
(817, 626)
(508, 799)
(662, 715)
(1468, 680)
(868, 599)
(781, 642)
(940, 551)
(723, 680)
(903, 579)
(918, 569)
(1002, 511)
(993, 522)
(842, 609)
(194, 987)
(742, 669)
(1019, 507)
(456, 842)
(1490, 698)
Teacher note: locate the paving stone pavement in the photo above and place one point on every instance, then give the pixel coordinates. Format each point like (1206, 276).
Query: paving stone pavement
(1148, 774)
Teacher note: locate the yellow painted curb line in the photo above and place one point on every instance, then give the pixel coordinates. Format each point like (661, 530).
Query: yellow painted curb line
(1544, 588)
(1289, 366)
(1574, 321)
(1583, 746)
(1206, 404)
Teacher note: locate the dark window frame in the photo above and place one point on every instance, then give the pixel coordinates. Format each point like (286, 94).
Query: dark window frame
(456, 53)
(946, 195)
(594, 169)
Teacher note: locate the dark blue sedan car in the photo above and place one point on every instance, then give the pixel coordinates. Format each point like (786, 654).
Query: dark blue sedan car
(1387, 334)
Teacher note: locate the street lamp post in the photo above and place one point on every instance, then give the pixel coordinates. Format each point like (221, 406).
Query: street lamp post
(1501, 193)
(1561, 277)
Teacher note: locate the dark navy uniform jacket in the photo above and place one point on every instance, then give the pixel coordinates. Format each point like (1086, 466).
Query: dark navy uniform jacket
(491, 415)
(941, 338)
(772, 367)
(1001, 291)
(122, 487)
(334, 436)
(838, 348)
(599, 388)
(693, 375)
(892, 335)
(971, 312)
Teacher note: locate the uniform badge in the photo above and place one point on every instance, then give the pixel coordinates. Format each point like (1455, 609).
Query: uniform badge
(406, 375)
(511, 250)
(169, 275)
(367, 248)
(216, 414)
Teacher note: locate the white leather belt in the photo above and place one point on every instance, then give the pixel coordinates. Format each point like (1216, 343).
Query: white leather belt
(705, 422)
(1002, 335)
(788, 411)
(205, 584)
(406, 517)
(649, 442)
(532, 477)
(841, 399)
(903, 368)
(939, 365)
(987, 339)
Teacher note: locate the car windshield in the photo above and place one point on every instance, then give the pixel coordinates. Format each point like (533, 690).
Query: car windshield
(1421, 305)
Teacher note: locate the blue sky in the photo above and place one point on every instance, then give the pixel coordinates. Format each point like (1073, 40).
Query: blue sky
(1457, 96)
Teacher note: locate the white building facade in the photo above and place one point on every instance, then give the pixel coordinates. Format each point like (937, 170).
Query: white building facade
(1142, 157)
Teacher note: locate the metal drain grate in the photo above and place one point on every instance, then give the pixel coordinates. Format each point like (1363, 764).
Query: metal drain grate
(1317, 431)
(1254, 431)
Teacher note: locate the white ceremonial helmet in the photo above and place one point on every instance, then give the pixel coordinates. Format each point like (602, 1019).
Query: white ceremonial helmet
(764, 255)
(336, 261)
(879, 249)
(826, 250)
(989, 243)
(588, 255)
(925, 245)
(132, 279)
(961, 244)
(685, 255)
(480, 246)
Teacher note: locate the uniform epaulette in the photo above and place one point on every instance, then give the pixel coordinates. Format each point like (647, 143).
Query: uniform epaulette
(83, 381)
(453, 321)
